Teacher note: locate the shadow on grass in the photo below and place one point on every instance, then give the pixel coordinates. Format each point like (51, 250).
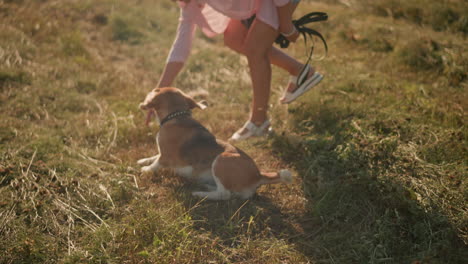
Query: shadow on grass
(237, 221)
(359, 209)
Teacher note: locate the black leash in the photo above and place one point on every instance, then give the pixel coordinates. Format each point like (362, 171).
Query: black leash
(300, 25)
(306, 32)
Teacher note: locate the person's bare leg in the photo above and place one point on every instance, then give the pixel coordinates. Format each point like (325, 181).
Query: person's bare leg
(258, 46)
(234, 38)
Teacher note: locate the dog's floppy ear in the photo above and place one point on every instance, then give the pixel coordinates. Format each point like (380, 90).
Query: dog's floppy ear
(146, 104)
(192, 104)
(202, 104)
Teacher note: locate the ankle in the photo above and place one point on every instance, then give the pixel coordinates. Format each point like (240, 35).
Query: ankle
(258, 116)
(258, 121)
(298, 71)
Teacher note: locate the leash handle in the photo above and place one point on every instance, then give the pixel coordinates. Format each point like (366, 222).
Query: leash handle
(300, 25)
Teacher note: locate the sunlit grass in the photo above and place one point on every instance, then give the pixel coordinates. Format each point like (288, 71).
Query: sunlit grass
(379, 148)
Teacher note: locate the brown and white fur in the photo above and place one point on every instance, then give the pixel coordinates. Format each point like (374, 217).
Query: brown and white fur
(193, 152)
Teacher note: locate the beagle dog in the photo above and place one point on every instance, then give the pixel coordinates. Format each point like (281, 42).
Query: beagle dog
(193, 152)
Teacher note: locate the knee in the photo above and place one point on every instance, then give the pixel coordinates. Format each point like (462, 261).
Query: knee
(254, 52)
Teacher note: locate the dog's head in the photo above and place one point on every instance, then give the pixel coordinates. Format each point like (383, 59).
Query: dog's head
(168, 100)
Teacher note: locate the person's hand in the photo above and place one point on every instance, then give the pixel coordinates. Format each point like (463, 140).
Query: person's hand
(291, 34)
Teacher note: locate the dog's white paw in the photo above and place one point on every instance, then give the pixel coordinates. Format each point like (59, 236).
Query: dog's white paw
(200, 194)
(142, 161)
(147, 169)
(210, 187)
(216, 195)
(147, 161)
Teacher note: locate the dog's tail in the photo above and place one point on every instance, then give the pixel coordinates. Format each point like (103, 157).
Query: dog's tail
(282, 176)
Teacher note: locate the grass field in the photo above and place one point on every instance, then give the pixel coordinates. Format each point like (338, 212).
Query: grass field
(379, 150)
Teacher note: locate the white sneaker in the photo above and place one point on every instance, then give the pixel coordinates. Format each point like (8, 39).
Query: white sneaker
(251, 130)
(304, 85)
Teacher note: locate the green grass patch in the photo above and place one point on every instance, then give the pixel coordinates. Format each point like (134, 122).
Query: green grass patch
(378, 149)
(122, 30)
(14, 78)
(422, 55)
(72, 45)
(441, 16)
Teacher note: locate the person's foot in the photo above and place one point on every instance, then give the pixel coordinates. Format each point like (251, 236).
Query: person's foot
(251, 130)
(298, 86)
(292, 81)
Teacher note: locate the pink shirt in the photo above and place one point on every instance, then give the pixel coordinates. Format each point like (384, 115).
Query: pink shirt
(212, 17)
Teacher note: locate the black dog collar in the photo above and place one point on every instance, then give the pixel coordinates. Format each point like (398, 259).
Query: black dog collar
(175, 115)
